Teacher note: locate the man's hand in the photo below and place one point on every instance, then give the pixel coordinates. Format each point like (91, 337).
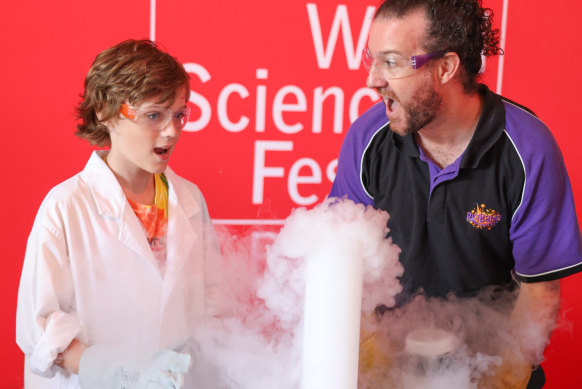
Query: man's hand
(534, 317)
(532, 320)
(513, 372)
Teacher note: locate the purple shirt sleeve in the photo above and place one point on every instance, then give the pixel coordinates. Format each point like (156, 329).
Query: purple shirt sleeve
(348, 180)
(544, 229)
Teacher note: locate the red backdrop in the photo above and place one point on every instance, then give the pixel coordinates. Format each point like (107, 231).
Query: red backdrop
(275, 85)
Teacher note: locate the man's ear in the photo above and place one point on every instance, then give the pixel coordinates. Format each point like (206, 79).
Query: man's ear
(448, 67)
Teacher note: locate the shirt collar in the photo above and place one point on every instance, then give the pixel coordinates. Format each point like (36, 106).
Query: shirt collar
(489, 128)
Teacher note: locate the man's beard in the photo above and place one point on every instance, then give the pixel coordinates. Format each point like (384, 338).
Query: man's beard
(419, 112)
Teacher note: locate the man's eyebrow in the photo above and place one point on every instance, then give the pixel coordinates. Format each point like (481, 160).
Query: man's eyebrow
(388, 52)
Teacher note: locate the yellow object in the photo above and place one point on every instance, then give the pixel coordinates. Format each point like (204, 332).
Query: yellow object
(370, 355)
(513, 373)
(375, 360)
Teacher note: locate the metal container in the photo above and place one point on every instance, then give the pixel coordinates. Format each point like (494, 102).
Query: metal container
(430, 361)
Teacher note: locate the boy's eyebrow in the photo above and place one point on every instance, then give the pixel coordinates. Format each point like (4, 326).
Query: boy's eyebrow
(159, 105)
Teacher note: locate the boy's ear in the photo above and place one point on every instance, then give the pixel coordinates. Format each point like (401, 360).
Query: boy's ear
(100, 116)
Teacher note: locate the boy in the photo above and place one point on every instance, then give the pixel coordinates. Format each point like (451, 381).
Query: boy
(113, 277)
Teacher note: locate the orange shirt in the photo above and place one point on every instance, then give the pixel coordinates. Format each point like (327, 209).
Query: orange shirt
(155, 220)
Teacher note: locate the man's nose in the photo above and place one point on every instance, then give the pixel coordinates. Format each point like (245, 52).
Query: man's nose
(375, 78)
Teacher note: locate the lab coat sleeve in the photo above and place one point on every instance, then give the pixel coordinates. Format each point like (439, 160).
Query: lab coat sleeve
(46, 319)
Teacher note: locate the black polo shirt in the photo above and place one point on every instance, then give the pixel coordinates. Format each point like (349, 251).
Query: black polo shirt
(504, 208)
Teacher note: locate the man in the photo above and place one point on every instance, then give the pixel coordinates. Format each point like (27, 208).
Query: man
(475, 185)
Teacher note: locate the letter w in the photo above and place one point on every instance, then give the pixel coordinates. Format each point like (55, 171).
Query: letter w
(353, 57)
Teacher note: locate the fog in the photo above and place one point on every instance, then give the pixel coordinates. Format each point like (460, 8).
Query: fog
(255, 337)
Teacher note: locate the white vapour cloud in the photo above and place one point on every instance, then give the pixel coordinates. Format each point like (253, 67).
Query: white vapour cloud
(255, 341)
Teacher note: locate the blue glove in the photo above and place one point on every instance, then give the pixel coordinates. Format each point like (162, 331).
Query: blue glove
(109, 367)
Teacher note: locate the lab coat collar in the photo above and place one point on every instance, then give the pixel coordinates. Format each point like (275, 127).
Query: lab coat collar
(182, 237)
(179, 195)
(107, 193)
(109, 196)
(111, 202)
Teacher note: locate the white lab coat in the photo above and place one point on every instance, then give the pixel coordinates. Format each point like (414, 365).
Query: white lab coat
(90, 273)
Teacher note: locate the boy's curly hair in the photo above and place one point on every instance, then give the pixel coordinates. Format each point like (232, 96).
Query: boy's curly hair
(132, 71)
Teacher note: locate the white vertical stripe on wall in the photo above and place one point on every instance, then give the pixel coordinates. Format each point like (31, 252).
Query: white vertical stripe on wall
(153, 20)
(503, 36)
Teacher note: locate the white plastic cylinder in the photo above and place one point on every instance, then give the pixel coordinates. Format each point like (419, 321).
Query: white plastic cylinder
(333, 300)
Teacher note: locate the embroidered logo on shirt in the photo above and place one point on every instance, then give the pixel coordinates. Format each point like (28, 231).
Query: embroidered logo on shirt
(482, 217)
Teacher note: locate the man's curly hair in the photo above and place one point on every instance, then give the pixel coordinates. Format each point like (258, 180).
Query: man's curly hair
(460, 26)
